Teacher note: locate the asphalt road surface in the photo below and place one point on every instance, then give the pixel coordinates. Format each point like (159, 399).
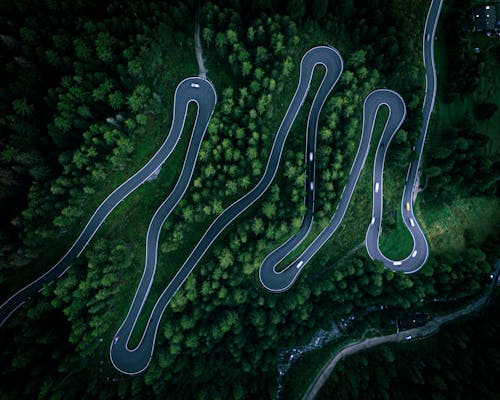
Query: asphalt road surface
(420, 251)
(206, 98)
(278, 281)
(134, 361)
(421, 332)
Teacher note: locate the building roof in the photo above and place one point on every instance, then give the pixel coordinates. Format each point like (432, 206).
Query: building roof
(484, 18)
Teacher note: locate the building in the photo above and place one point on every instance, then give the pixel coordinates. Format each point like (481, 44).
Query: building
(484, 18)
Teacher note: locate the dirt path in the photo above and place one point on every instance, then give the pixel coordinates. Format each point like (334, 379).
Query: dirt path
(197, 44)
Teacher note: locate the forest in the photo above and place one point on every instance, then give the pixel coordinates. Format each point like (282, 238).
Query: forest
(459, 363)
(87, 100)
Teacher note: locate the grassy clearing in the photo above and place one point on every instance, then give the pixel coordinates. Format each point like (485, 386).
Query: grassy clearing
(131, 219)
(396, 242)
(445, 225)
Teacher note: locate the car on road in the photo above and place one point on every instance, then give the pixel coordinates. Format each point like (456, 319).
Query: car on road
(396, 263)
(310, 156)
(195, 85)
(311, 185)
(376, 187)
(300, 264)
(408, 337)
(407, 206)
(412, 223)
(428, 36)
(116, 339)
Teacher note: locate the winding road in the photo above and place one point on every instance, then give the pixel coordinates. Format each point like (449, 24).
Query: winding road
(280, 281)
(201, 91)
(134, 361)
(421, 332)
(186, 92)
(420, 251)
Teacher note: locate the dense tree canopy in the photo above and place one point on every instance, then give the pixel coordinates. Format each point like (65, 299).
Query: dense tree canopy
(89, 98)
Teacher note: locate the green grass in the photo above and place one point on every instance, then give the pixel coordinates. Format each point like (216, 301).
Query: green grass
(443, 224)
(396, 243)
(131, 218)
(352, 230)
(446, 224)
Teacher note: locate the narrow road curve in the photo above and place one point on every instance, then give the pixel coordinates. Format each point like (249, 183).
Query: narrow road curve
(201, 91)
(280, 281)
(204, 95)
(430, 328)
(420, 251)
(135, 361)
